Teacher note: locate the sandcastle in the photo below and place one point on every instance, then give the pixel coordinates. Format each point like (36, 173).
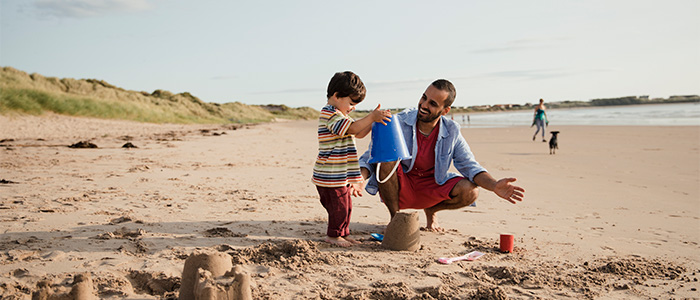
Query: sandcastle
(211, 276)
(403, 232)
(82, 289)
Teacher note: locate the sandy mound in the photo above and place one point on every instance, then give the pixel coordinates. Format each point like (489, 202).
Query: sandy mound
(403, 232)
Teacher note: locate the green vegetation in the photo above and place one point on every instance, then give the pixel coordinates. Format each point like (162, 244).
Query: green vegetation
(285, 112)
(34, 94)
(37, 102)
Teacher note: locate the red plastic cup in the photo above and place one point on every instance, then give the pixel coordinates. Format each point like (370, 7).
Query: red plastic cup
(507, 240)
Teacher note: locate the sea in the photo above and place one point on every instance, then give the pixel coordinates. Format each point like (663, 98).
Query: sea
(681, 114)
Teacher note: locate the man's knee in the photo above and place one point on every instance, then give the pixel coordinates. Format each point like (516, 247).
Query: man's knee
(465, 192)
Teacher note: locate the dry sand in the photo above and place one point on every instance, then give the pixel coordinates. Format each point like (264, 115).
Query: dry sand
(614, 214)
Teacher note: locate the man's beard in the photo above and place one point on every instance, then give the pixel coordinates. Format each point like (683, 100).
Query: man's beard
(428, 118)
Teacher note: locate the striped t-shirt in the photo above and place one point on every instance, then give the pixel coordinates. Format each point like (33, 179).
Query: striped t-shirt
(336, 164)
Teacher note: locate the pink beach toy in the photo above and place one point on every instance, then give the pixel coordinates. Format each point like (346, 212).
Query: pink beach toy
(468, 257)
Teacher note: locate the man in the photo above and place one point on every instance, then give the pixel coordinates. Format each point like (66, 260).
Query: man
(434, 142)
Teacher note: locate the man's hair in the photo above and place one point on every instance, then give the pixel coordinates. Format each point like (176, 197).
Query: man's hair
(447, 86)
(347, 84)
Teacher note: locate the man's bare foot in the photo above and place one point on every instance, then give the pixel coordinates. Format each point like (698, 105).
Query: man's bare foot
(354, 241)
(340, 241)
(432, 224)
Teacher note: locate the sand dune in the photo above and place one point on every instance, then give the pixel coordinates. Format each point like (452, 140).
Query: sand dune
(614, 214)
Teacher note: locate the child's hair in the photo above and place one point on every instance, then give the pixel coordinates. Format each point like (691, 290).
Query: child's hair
(347, 84)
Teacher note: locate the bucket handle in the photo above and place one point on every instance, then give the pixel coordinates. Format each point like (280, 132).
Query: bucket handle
(390, 174)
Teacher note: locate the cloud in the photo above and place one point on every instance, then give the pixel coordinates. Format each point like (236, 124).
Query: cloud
(289, 91)
(531, 74)
(522, 44)
(534, 74)
(88, 8)
(223, 77)
(374, 85)
(542, 73)
(499, 49)
(398, 83)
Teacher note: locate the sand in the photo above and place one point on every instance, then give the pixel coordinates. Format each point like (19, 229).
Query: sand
(613, 215)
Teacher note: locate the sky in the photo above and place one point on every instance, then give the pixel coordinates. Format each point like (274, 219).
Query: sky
(285, 52)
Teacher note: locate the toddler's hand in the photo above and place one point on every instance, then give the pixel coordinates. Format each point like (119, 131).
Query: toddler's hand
(356, 189)
(381, 116)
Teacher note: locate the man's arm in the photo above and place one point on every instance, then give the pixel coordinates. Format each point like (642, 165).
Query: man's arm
(464, 160)
(365, 173)
(503, 187)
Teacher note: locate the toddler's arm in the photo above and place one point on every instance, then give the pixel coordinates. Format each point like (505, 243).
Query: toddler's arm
(362, 127)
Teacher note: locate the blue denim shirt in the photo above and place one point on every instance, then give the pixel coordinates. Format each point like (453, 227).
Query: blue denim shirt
(449, 148)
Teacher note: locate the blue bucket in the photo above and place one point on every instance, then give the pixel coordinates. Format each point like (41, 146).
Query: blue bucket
(388, 143)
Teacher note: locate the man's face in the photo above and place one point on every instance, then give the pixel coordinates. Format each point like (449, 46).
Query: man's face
(432, 104)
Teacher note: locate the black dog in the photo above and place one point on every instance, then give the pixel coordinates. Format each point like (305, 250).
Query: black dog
(553, 144)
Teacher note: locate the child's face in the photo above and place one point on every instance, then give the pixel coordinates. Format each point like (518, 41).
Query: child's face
(345, 104)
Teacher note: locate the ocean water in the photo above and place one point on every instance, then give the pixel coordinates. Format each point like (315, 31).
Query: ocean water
(682, 114)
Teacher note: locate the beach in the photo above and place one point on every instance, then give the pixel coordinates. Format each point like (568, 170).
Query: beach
(614, 214)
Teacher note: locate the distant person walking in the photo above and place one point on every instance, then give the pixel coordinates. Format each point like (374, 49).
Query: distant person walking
(468, 122)
(540, 120)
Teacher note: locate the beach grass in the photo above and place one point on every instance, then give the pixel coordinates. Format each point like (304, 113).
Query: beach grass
(22, 93)
(37, 102)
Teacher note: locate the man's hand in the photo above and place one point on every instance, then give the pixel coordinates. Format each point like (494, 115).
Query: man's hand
(506, 190)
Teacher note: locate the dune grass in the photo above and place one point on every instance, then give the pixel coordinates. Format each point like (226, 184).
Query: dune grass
(36, 102)
(22, 93)
(151, 110)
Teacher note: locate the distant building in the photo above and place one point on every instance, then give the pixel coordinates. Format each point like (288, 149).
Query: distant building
(504, 106)
(481, 107)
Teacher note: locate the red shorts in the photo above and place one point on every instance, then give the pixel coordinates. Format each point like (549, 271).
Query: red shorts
(419, 192)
